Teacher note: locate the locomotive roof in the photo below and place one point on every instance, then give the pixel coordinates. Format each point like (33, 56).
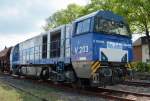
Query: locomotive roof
(105, 14)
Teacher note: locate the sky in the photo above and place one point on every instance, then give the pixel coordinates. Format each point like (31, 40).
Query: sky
(23, 19)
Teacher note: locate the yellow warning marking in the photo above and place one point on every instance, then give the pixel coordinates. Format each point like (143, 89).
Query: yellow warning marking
(128, 65)
(96, 66)
(93, 71)
(96, 63)
(93, 63)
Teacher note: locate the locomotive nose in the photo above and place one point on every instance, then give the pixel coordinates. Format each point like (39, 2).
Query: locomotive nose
(114, 55)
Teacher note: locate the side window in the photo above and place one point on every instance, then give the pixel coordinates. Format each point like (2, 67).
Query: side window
(83, 26)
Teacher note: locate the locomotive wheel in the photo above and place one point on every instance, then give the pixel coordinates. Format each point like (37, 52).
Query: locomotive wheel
(44, 74)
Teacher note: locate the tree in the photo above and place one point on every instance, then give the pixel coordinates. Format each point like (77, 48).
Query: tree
(141, 15)
(64, 16)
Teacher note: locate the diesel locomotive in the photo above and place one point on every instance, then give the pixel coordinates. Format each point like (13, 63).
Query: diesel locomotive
(94, 50)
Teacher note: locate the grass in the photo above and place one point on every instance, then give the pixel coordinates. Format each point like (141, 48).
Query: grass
(8, 93)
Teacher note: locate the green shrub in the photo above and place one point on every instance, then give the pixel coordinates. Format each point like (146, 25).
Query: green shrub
(141, 67)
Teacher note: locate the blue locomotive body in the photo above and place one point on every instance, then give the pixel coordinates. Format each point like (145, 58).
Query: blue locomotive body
(93, 49)
(88, 43)
(87, 47)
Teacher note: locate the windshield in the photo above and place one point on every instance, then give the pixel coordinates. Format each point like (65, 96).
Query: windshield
(110, 27)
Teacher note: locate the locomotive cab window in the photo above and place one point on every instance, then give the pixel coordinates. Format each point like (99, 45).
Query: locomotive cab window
(110, 26)
(83, 26)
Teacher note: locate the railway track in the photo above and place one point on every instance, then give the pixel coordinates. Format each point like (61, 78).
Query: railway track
(99, 92)
(68, 88)
(105, 93)
(115, 92)
(136, 83)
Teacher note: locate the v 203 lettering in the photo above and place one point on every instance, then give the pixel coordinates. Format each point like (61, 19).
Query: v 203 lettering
(81, 49)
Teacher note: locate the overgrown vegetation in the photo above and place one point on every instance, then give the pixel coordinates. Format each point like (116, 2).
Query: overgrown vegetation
(141, 67)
